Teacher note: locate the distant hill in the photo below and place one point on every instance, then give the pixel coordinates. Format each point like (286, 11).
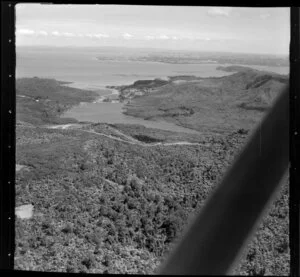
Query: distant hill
(221, 58)
(51, 89)
(234, 68)
(220, 104)
(246, 78)
(43, 100)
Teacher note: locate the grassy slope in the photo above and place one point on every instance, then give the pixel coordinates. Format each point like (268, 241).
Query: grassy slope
(105, 206)
(46, 99)
(212, 104)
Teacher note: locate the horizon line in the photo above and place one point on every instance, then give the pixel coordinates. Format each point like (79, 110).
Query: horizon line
(150, 48)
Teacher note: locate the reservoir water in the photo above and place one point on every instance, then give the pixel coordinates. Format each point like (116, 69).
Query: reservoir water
(112, 113)
(84, 70)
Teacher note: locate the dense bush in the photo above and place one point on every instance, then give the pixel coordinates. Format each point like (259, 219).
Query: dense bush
(118, 208)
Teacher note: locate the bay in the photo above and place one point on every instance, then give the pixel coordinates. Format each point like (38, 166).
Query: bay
(85, 71)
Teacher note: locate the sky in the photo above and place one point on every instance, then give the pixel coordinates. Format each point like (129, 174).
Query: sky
(224, 29)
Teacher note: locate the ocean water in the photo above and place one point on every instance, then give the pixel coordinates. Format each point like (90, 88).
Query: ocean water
(85, 70)
(81, 67)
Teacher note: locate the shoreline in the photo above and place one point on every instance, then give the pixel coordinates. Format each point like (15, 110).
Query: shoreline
(107, 98)
(97, 89)
(116, 91)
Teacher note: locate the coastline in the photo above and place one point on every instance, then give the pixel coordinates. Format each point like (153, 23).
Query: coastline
(100, 90)
(124, 94)
(115, 115)
(109, 97)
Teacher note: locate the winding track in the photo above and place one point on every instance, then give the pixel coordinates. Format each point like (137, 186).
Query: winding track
(129, 141)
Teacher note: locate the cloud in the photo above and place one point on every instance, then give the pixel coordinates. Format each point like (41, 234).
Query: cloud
(67, 34)
(56, 33)
(26, 32)
(149, 37)
(64, 34)
(80, 35)
(219, 11)
(163, 37)
(29, 32)
(101, 35)
(190, 37)
(264, 15)
(42, 33)
(127, 36)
